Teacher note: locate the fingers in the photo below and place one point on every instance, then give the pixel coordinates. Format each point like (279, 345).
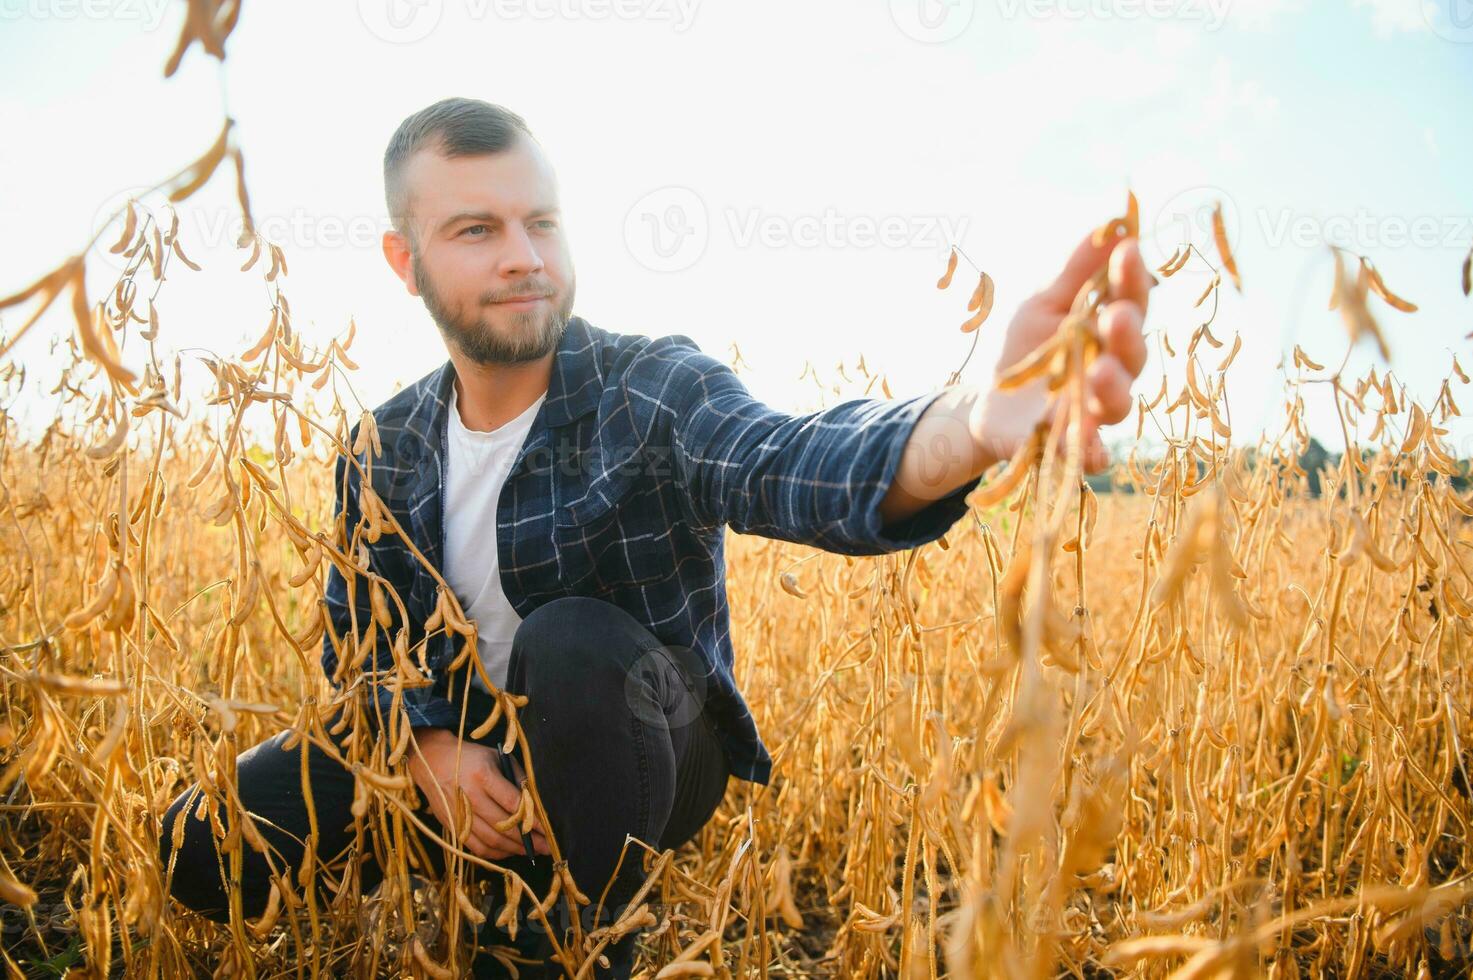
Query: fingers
(478, 835)
(521, 774)
(497, 787)
(1107, 397)
(1096, 457)
(1129, 279)
(1109, 377)
(494, 842)
(1120, 329)
(500, 800)
(484, 840)
(481, 837)
(506, 793)
(492, 799)
(492, 807)
(488, 842)
(1081, 265)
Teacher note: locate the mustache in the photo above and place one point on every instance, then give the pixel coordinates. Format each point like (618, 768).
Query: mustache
(526, 289)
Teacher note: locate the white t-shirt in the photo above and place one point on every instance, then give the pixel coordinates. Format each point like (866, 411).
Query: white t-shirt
(479, 463)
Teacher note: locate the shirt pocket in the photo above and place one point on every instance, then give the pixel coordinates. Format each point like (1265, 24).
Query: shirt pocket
(613, 536)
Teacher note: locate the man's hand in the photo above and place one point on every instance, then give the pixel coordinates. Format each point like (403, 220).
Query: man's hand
(441, 777)
(968, 428)
(1003, 420)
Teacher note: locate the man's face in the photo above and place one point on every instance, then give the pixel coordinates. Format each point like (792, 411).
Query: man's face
(485, 234)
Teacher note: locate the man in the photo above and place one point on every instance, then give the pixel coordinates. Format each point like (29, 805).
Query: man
(573, 485)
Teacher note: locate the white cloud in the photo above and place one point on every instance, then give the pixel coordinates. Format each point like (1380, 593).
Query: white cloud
(1395, 16)
(1388, 17)
(1261, 15)
(1176, 41)
(1229, 98)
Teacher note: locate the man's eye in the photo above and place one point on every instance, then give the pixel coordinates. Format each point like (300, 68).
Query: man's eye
(473, 228)
(547, 223)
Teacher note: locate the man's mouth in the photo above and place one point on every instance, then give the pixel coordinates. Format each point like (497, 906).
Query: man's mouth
(521, 302)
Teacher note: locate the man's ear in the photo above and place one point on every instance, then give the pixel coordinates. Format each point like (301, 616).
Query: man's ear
(400, 259)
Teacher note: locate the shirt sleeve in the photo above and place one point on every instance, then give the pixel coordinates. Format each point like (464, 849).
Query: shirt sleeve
(816, 478)
(350, 614)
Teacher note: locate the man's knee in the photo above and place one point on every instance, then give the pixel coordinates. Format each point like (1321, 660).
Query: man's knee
(575, 643)
(194, 879)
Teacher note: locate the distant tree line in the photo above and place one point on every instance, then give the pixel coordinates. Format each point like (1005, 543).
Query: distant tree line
(1313, 461)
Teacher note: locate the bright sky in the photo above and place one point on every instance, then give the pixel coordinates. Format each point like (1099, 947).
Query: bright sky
(785, 176)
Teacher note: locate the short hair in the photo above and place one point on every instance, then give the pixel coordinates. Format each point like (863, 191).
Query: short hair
(454, 127)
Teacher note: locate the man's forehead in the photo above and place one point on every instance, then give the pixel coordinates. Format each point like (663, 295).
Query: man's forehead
(514, 181)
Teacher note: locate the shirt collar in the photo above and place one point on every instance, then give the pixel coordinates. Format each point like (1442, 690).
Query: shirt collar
(574, 390)
(518, 424)
(577, 382)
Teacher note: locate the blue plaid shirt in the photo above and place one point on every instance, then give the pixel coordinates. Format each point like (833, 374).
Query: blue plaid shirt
(641, 454)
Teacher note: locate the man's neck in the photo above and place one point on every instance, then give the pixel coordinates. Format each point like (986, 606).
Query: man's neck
(490, 395)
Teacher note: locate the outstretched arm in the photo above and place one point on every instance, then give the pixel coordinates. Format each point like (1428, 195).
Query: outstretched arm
(969, 427)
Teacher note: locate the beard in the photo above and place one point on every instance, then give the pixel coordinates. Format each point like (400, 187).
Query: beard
(531, 334)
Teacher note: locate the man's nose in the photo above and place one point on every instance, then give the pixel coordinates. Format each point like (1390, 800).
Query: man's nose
(520, 257)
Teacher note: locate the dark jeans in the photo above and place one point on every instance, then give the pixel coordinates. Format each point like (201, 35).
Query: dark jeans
(619, 742)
